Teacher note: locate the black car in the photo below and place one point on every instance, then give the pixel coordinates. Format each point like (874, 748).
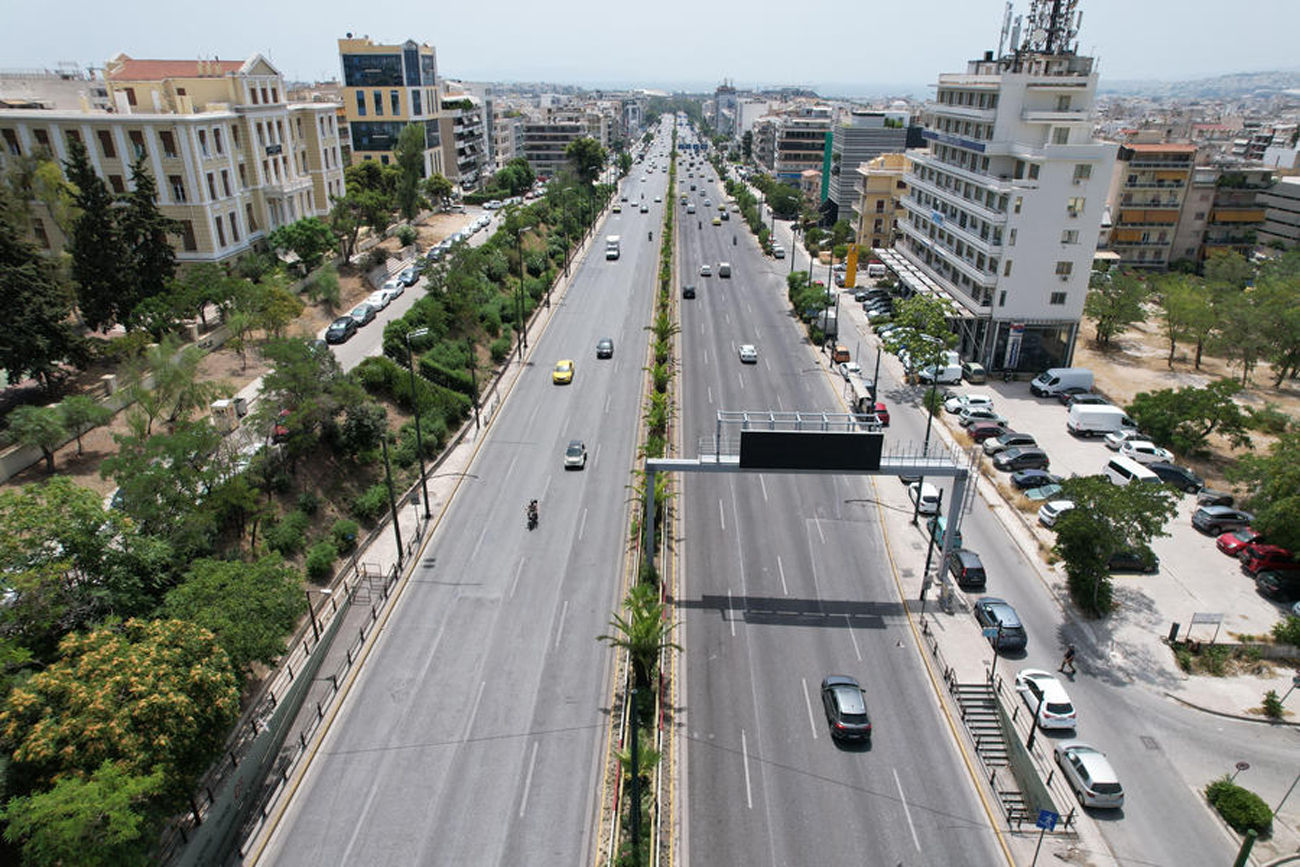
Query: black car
(1022, 459)
(688, 291)
(1180, 477)
(1080, 398)
(1133, 560)
(1211, 497)
(341, 330)
(966, 569)
(1065, 394)
(605, 347)
(846, 708)
(1026, 479)
(1282, 586)
(991, 611)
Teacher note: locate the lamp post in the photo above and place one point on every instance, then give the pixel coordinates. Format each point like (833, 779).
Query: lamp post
(473, 377)
(392, 499)
(794, 244)
(522, 307)
(415, 403)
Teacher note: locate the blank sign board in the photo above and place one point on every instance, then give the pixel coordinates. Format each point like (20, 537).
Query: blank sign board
(856, 451)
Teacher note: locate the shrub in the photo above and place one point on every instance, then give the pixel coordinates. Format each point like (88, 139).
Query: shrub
(1272, 705)
(320, 561)
(406, 235)
(344, 535)
(375, 258)
(288, 535)
(370, 505)
(500, 348)
(1288, 631)
(1240, 808)
(308, 503)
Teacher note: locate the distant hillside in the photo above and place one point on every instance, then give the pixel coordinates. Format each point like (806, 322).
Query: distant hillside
(1233, 86)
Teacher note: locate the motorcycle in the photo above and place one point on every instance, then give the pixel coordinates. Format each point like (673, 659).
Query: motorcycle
(532, 515)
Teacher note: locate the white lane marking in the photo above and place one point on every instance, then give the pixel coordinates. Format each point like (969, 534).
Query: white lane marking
(473, 556)
(528, 781)
(906, 811)
(582, 524)
(767, 363)
(848, 621)
(563, 613)
(365, 810)
(781, 569)
(595, 458)
(608, 398)
(763, 485)
(532, 416)
(709, 391)
(722, 516)
(817, 522)
(731, 617)
(780, 404)
(510, 469)
(740, 379)
(744, 750)
(519, 570)
(812, 722)
(727, 316)
(473, 712)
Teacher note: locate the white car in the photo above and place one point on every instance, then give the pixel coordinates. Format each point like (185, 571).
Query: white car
(706, 270)
(956, 404)
(1044, 695)
(378, 299)
(973, 414)
(1116, 439)
(748, 354)
(1089, 774)
(1145, 452)
(1050, 512)
(928, 495)
(850, 368)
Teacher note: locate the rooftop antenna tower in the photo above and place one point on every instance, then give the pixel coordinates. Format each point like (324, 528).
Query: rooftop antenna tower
(1006, 26)
(1053, 26)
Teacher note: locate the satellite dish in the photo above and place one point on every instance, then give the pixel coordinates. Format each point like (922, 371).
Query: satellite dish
(1038, 35)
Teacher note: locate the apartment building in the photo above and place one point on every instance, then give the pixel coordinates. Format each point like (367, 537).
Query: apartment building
(1281, 212)
(801, 143)
(550, 132)
(724, 108)
(858, 136)
(1146, 196)
(507, 136)
(231, 157)
(463, 132)
(386, 88)
(882, 184)
(763, 144)
(1003, 206)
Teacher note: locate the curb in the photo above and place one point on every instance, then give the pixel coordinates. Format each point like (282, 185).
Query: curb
(1226, 715)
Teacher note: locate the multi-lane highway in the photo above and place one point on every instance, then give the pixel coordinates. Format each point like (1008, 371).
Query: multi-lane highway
(786, 580)
(475, 732)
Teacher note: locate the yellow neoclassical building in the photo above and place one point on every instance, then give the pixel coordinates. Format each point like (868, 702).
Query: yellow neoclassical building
(232, 158)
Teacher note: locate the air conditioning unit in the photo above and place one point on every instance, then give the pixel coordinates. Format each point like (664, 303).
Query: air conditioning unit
(1078, 182)
(1073, 213)
(1064, 277)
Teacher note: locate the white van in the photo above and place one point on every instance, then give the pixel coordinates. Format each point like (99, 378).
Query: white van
(724, 269)
(1059, 379)
(1122, 470)
(943, 374)
(1096, 419)
(875, 270)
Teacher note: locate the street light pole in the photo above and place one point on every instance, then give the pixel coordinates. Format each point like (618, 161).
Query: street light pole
(473, 378)
(523, 307)
(415, 403)
(392, 498)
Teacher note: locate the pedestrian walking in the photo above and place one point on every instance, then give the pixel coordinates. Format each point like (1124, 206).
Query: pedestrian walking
(1068, 660)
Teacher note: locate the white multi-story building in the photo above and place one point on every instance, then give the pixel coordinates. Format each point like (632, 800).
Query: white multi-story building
(1004, 205)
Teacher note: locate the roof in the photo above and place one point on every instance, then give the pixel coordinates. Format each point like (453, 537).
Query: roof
(1163, 148)
(124, 68)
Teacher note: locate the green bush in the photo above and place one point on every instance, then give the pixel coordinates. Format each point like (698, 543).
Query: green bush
(369, 507)
(407, 235)
(500, 348)
(320, 561)
(308, 503)
(288, 535)
(375, 258)
(448, 377)
(1272, 705)
(1288, 631)
(344, 534)
(1240, 808)
(1269, 419)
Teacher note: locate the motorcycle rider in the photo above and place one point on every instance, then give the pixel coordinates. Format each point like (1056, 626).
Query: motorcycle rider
(532, 512)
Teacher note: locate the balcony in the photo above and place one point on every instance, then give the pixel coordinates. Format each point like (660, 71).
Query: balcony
(1043, 116)
(962, 112)
(987, 247)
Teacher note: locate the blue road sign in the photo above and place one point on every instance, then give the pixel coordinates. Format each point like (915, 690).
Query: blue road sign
(1046, 820)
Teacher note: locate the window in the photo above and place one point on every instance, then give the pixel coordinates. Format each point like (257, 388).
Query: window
(415, 102)
(275, 97)
(72, 135)
(1061, 135)
(396, 102)
(1070, 236)
(234, 230)
(137, 142)
(378, 99)
(221, 233)
(248, 212)
(216, 140)
(203, 142)
(38, 229)
(1011, 238)
(234, 137)
(1002, 298)
(11, 140)
(42, 138)
(1057, 299)
(130, 95)
(1075, 204)
(1033, 171)
(252, 93)
(225, 181)
(1063, 103)
(361, 104)
(106, 144)
(265, 96)
(243, 177)
(1064, 269)
(178, 188)
(1020, 200)
(1082, 172)
(187, 236)
(212, 186)
(1200, 215)
(115, 181)
(878, 227)
(1006, 268)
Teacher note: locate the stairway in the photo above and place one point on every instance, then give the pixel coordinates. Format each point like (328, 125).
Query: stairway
(979, 711)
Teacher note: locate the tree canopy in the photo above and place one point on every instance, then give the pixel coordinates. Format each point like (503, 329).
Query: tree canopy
(1114, 302)
(586, 157)
(1184, 419)
(1272, 483)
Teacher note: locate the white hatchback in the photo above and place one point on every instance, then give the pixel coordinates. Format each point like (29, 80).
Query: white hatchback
(1090, 775)
(1044, 695)
(1115, 439)
(956, 404)
(748, 354)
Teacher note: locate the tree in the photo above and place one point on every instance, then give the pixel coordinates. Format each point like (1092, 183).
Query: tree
(37, 335)
(108, 817)
(39, 427)
(643, 633)
(923, 337)
(1244, 332)
(277, 308)
(309, 239)
(1106, 518)
(149, 695)
(1276, 297)
(1227, 269)
(586, 157)
(95, 243)
(624, 163)
(1184, 419)
(409, 155)
(747, 145)
(841, 233)
(151, 261)
(176, 390)
(1114, 303)
(1272, 483)
(249, 607)
(81, 413)
(437, 189)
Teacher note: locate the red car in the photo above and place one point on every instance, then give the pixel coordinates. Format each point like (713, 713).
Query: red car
(986, 430)
(1233, 543)
(1258, 557)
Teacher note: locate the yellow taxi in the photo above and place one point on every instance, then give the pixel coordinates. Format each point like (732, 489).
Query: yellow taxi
(563, 372)
(618, 209)
(717, 221)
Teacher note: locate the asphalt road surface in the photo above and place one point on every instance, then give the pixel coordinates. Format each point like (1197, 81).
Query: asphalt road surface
(475, 732)
(786, 580)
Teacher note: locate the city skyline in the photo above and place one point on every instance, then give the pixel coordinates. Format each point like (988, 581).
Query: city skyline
(583, 42)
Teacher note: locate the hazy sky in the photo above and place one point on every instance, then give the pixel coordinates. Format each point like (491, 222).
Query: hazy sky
(835, 46)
